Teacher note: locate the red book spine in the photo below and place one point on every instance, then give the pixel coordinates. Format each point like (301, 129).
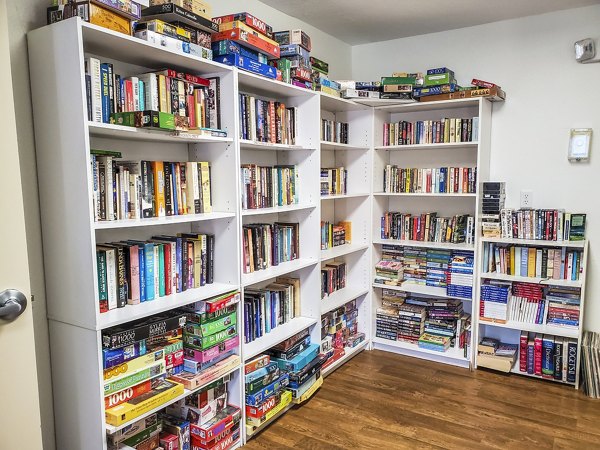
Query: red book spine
(537, 355)
(523, 352)
(191, 110)
(128, 96)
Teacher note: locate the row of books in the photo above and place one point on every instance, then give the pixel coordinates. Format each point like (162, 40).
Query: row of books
(428, 227)
(131, 272)
(542, 224)
(339, 331)
(557, 264)
(128, 190)
(334, 235)
(288, 373)
(332, 131)
(333, 277)
(267, 308)
(442, 131)
(446, 180)
(590, 361)
(504, 302)
(334, 181)
(267, 121)
(266, 245)
(268, 186)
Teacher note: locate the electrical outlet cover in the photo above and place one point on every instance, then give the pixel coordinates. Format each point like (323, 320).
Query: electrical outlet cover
(526, 199)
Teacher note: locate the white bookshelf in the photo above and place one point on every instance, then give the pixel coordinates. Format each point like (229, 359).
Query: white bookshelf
(510, 331)
(462, 154)
(353, 206)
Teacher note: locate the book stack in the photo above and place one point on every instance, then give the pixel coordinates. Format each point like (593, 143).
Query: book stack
(116, 16)
(333, 277)
(167, 99)
(355, 90)
(411, 322)
(334, 181)
(492, 220)
(320, 78)
(563, 306)
(335, 235)
(267, 121)
(496, 355)
(386, 322)
(128, 190)
(295, 63)
(213, 423)
(245, 42)
(443, 131)
(332, 131)
(415, 265)
(210, 340)
(268, 187)
(266, 245)
(267, 308)
(445, 317)
(340, 327)
(390, 273)
(393, 298)
(135, 365)
(447, 180)
(428, 227)
(299, 361)
(494, 301)
(533, 262)
(437, 267)
(131, 272)
(542, 224)
(434, 342)
(441, 85)
(548, 356)
(460, 274)
(527, 304)
(400, 86)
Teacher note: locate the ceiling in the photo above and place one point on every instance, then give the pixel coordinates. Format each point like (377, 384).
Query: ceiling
(364, 21)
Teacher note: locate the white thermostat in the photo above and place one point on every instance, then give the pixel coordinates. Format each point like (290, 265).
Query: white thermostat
(579, 144)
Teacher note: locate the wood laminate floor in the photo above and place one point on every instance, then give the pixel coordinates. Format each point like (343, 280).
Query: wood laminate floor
(380, 400)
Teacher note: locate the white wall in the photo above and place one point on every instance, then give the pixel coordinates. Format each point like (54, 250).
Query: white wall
(547, 94)
(337, 53)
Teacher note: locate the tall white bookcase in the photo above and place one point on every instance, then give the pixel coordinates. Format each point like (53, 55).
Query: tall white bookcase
(64, 139)
(459, 154)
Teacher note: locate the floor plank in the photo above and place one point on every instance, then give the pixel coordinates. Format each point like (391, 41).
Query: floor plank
(381, 400)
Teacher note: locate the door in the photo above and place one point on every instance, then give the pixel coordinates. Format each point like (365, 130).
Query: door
(20, 424)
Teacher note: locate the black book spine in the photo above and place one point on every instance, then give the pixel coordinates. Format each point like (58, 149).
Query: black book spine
(168, 173)
(211, 258)
(184, 264)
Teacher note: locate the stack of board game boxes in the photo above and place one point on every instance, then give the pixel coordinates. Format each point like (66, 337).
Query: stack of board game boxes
(295, 62)
(183, 26)
(288, 373)
(339, 330)
(246, 42)
(320, 78)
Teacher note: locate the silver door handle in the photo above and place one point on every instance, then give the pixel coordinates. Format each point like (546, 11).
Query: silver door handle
(12, 304)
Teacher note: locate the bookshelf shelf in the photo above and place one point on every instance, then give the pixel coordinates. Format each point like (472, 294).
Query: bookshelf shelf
(133, 312)
(251, 431)
(419, 289)
(107, 130)
(444, 146)
(452, 355)
(270, 88)
(424, 244)
(278, 209)
(338, 104)
(326, 145)
(278, 334)
(157, 221)
(379, 102)
(535, 242)
(545, 281)
(111, 429)
(341, 297)
(343, 196)
(444, 105)
(341, 250)
(248, 279)
(255, 145)
(350, 352)
(534, 328)
(424, 194)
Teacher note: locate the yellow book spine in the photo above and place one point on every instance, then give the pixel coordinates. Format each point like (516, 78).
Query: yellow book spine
(512, 261)
(531, 262)
(206, 195)
(162, 93)
(159, 188)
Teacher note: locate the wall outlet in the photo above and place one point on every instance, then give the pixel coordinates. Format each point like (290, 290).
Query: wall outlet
(526, 199)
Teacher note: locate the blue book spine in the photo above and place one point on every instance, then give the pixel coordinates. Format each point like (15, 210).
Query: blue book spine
(142, 93)
(122, 93)
(142, 259)
(548, 357)
(149, 256)
(105, 92)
